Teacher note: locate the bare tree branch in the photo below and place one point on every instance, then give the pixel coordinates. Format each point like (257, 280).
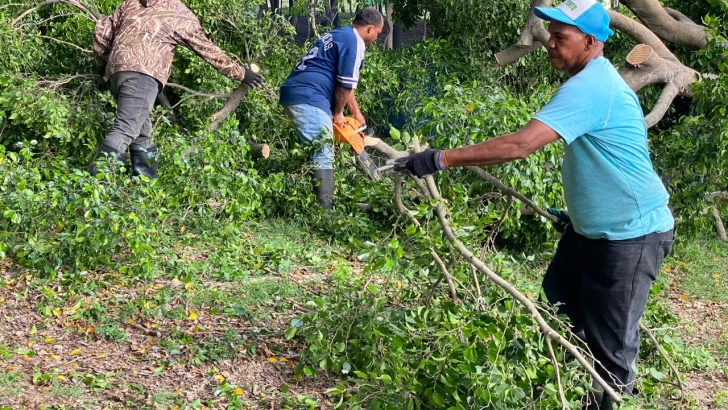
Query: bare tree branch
(512, 192)
(446, 275)
(197, 93)
(67, 43)
(666, 26)
(639, 33)
(665, 356)
(533, 36)
(230, 105)
(662, 105)
(92, 14)
(719, 227)
(398, 200)
(555, 363)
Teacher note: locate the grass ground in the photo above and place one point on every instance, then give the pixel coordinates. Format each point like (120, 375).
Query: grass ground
(206, 329)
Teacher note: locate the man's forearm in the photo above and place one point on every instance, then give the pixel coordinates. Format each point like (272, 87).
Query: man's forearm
(518, 145)
(341, 98)
(492, 152)
(352, 104)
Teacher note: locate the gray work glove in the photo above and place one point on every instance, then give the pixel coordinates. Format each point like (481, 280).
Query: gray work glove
(252, 79)
(421, 164)
(562, 216)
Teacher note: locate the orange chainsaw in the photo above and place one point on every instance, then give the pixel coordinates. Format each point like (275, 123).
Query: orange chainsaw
(352, 133)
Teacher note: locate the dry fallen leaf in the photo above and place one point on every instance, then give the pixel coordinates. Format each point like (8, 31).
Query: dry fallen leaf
(272, 359)
(75, 352)
(192, 316)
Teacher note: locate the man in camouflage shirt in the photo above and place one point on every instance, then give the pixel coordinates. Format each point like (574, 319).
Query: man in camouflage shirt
(134, 47)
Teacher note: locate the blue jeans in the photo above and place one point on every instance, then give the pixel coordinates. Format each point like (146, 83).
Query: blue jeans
(314, 126)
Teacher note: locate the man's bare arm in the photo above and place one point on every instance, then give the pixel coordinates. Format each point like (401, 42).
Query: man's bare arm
(505, 148)
(341, 98)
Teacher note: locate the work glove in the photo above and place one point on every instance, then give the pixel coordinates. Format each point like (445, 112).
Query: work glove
(252, 79)
(421, 164)
(562, 216)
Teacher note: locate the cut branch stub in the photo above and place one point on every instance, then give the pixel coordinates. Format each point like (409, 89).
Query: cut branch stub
(640, 54)
(644, 67)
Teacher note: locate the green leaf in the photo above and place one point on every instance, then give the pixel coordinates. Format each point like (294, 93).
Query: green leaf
(657, 374)
(290, 333)
(372, 288)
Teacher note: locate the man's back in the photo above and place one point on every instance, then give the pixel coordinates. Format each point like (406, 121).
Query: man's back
(142, 38)
(610, 186)
(333, 60)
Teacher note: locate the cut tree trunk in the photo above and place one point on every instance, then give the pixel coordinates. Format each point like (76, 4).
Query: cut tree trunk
(260, 150)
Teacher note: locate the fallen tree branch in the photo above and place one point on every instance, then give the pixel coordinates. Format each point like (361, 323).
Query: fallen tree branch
(398, 201)
(547, 330)
(639, 33)
(555, 363)
(664, 24)
(446, 275)
(533, 36)
(198, 93)
(92, 14)
(77, 47)
(719, 227)
(643, 66)
(230, 105)
(665, 356)
(512, 192)
(260, 150)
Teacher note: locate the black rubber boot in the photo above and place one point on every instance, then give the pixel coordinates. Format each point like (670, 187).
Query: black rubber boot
(323, 187)
(144, 161)
(116, 158)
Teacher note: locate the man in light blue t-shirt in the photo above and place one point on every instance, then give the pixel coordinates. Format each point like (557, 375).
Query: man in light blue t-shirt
(321, 85)
(621, 228)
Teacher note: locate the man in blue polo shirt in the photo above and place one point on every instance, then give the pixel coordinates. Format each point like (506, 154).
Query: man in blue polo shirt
(321, 85)
(621, 228)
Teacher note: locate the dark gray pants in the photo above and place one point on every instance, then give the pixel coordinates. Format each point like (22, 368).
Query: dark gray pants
(135, 94)
(603, 286)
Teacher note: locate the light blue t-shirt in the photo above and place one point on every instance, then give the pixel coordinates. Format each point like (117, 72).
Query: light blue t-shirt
(610, 187)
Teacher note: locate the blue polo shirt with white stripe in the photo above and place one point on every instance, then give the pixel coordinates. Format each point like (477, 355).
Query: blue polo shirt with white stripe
(333, 60)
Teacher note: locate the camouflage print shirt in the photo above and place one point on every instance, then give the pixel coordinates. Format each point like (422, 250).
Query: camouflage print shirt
(142, 38)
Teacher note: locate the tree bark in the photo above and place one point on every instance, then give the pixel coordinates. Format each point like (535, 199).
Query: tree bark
(672, 26)
(230, 105)
(533, 36)
(388, 41)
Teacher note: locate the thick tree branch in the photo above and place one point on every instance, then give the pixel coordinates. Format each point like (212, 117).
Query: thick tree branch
(644, 67)
(533, 36)
(230, 105)
(666, 25)
(639, 33)
(662, 105)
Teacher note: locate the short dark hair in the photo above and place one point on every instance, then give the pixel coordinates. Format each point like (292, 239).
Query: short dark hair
(368, 16)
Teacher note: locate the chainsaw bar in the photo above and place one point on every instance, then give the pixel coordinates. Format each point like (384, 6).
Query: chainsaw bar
(369, 166)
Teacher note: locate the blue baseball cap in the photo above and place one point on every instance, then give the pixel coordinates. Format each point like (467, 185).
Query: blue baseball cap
(588, 16)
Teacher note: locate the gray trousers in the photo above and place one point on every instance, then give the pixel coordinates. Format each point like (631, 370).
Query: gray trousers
(135, 94)
(603, 287)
